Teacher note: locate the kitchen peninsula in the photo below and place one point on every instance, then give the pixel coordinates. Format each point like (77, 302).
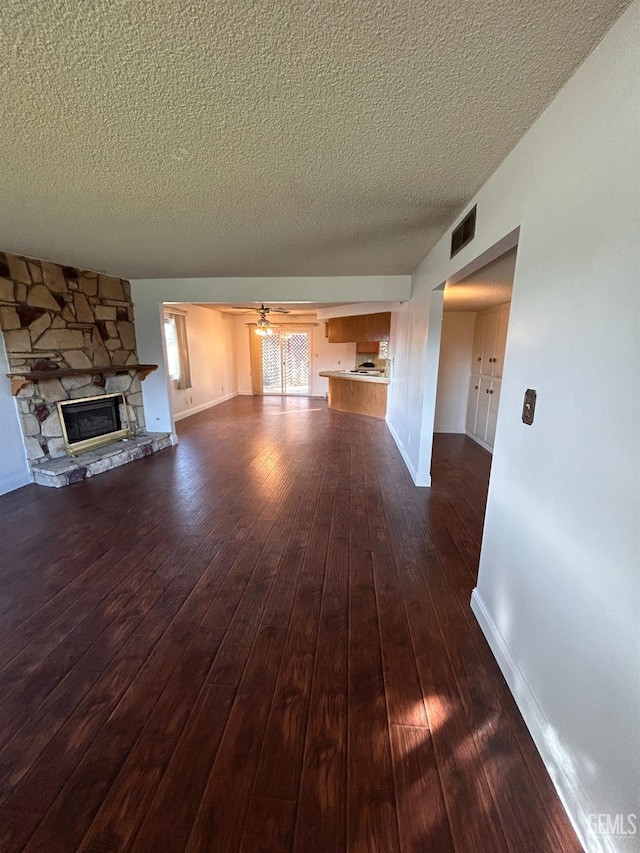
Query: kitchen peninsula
(362, 393)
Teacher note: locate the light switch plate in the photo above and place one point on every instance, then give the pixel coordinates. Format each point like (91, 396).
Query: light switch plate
(529, 407)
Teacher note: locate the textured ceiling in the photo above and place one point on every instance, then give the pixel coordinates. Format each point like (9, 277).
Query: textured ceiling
(490, 285)
(195, 138)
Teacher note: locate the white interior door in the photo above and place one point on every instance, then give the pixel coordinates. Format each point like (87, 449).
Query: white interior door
(483, 408)
(490, 337)
(478, 344)
(472, 403)
(492, 415)
(501, 342)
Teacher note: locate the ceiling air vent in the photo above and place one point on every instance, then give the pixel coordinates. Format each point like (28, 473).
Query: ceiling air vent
(464, 233)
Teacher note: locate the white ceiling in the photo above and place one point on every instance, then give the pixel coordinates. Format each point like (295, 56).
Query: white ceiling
(490, 285)
(199, 138)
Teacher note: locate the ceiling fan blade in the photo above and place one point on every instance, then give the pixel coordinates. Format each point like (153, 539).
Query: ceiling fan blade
(263, 309)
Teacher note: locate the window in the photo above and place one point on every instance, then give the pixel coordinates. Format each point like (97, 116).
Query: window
(175, 333)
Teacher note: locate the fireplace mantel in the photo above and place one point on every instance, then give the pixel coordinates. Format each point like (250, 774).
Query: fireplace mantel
(19, 380)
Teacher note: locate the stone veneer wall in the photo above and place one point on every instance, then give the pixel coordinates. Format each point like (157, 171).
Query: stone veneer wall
(54, 317)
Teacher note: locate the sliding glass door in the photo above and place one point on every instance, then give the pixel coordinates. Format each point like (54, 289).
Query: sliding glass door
(285, 363)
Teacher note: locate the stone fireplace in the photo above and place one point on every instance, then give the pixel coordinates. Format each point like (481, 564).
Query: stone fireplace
(70, 335)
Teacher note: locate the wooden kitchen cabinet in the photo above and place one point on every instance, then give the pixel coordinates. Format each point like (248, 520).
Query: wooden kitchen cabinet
(360, 328)
(363, 398)
(368, 348)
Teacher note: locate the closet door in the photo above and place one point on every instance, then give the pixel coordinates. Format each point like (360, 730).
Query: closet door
(501, 342)
(478, 344)
(492, 414)
(490, 338)
(472, 404)
(484, 399)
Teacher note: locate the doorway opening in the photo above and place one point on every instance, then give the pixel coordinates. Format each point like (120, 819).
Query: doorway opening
(285, 363)
(473, 341)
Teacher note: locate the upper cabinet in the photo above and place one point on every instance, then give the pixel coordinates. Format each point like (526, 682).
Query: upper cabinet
(360, 328)
(490, 341)
(368, 348)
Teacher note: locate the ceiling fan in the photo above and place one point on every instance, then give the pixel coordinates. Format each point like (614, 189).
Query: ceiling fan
(263, 326)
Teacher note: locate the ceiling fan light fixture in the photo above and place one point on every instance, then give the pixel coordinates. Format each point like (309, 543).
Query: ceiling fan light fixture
(263, 326)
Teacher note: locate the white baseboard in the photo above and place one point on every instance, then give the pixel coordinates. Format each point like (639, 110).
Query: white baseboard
(450, 429)
(570, 791)
(13, 483)
(209, 405)
(422, 480)
(245, 394)
(479, 441)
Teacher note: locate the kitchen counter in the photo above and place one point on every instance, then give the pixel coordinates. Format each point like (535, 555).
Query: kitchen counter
(359, 377)
(357, 393)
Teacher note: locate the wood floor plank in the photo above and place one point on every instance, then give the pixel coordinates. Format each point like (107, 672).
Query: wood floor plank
(404, 694)
(321, 822)
(372, 821)
(219, 823)
(260, 640)
(169, 818)
(269, 826)
(422, 814)
(129, 797)
(281, 760)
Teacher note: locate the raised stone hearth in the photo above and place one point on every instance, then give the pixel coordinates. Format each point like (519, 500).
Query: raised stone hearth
(68, 470)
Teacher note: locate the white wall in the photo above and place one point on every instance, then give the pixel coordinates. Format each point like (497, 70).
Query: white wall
(324, 356)
(454, 370)
(14, 470)
(414, 351)
(212, 355)
(149, 294)
(559, 587)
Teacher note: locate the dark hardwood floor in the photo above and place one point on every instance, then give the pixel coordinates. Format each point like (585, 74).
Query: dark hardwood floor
(260, 640)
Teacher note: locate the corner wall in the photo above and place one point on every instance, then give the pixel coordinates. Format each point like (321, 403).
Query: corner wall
(454, 370)
(558, 592)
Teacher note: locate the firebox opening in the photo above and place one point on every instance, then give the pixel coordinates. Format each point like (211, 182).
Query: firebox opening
(93, 422)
